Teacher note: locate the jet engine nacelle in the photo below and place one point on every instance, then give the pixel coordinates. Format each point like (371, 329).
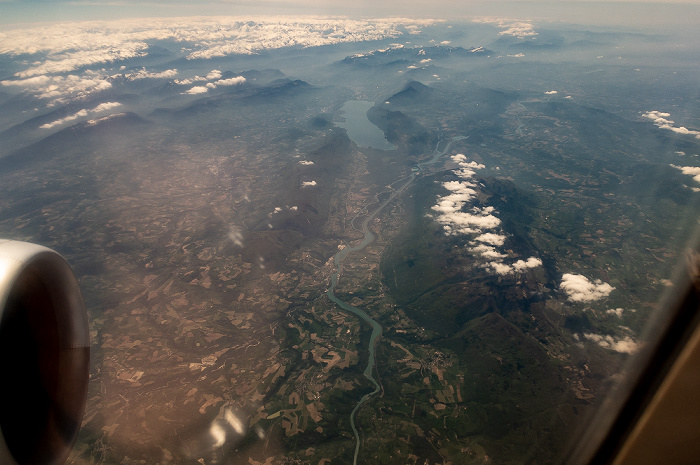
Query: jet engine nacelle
(44, 355)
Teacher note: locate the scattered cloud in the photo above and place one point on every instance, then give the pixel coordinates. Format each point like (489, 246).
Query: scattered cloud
(522, 265)
(580, 289)
(232, 419)
(143, 74)
(61, 88)
(60, 55)
(662, 120)
(218, 434)
(500, 268)
(106, 106)
(615, 311)
(69, 46)
(306, 162)
(64, 120)
(517, 267)
(230, 81)
(511, 27)
(72, 60)
(480, 221)
(281, 209)
(93, 122)
(213, 74)
(551, 92)
(693, 171)
(236, 236)
(486, 251)
(450, 214)
(197, 90)
(102, 107)
(308, 183)
(625, 345)
(189, 81)
(491, 238)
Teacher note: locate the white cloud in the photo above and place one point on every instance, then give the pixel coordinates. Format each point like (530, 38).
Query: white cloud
(693, 171)
(511, 27)
(232, 419)
(625, 345)
(61, 48)
(500, 268)
(551, 92)
(72, 60)
(615, 311)
(518, 266)
(61, 88)
(197, 90)
(213, 85)
(308, 183)
(82, 113)
(662, 121)
(466, 223)
(143, 74)
(426, 60)
(218, 434)
(580, 289)
(522, 265)
(214, 74)
(189, 81)
(457, 222)
(486, 251)
(449, 207)
(106, 106)
(230, 81)
(306, 162)
(66, 119)
(236, 236)
(93, 122)
(491, 238)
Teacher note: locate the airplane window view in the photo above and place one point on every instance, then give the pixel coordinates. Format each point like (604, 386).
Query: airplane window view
(418, 234)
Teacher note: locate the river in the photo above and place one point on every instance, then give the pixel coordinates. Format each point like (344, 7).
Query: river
(368, 237)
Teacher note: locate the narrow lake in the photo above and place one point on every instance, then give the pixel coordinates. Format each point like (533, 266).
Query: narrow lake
(361, 130)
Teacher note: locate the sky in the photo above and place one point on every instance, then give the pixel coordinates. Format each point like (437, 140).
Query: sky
(622, 12)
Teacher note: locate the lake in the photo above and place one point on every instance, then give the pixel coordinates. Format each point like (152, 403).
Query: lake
(361, 130)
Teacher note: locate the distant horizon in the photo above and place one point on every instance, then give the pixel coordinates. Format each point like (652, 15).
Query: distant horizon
(590, 12)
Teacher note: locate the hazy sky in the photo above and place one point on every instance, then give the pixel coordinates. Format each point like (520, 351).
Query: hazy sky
(579, 11)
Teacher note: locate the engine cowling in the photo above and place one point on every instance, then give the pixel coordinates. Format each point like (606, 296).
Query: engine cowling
(44, 355)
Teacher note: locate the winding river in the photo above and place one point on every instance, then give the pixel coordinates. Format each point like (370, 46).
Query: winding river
(368, 237)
